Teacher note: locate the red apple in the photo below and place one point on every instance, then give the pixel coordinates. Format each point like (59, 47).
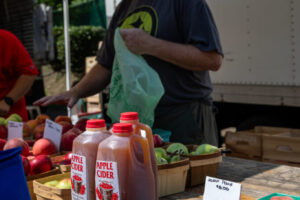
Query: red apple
(62, 118)
(3, 132)
(157, 140)
(2, 143)
(42, 118)
(39, 131)
(65, 126)
(43, 146)
(67, 141)
(81, 124)
(17, 142)
(68, 156)
(40, 164)
(26, 165)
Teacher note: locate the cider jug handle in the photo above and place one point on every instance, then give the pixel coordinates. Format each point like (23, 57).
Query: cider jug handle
(144, 144)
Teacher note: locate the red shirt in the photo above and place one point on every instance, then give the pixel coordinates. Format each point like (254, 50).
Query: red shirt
(14, 62)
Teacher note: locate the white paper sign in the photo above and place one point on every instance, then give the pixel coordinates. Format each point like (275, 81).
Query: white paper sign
(217, 189)
(53, 132)
(15, 130)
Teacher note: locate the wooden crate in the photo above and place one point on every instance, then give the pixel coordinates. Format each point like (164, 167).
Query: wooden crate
(282, 147)
(93, 107)
(30, 180)
(249, 143)
(202, 166)
(172, 177)
(45, 192)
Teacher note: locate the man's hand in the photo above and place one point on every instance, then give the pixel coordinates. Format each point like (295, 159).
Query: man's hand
(66, 98)
(137, 40)
(4, 108)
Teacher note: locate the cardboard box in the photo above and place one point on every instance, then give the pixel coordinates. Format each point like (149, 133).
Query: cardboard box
(249, 143)
(282, 147)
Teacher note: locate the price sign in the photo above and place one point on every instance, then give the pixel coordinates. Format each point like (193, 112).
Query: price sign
(53, 132)
(15, 130)
(216, 189)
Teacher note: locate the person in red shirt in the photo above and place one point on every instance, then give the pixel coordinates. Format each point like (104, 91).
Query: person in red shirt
(17, 74)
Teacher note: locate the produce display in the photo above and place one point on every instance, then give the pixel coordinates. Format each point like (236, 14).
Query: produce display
(40, 155)
(36, 150)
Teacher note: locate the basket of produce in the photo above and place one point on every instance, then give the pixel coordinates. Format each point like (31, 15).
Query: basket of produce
(172, 172)
(57, 187)
(203, 160)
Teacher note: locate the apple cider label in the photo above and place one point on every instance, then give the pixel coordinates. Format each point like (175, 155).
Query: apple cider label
(106, 180)
(78, 177)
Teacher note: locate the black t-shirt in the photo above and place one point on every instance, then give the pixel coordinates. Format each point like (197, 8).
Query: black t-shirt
(181, 21)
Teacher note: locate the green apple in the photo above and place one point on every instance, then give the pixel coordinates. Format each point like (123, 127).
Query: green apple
(178, 148)
(175, 158)
(205, 149)
(161, 161)
(64, 184)
(51, 183)
(193, 153)
(162, 152)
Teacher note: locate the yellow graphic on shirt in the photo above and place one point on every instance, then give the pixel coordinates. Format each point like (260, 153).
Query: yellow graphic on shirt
(143, 18)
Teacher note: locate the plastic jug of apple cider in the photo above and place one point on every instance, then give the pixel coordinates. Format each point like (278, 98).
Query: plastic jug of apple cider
(84, 153)
(146, 132)
(120, 174)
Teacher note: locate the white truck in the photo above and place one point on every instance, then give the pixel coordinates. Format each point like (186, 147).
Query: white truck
(259, 81)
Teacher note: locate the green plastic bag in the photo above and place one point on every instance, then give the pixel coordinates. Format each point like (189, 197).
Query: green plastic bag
(135, 86)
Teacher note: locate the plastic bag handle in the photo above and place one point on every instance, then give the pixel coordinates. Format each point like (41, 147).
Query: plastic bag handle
(144, 144)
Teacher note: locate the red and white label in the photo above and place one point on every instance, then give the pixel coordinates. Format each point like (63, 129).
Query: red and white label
(78, 177)
(107, 182)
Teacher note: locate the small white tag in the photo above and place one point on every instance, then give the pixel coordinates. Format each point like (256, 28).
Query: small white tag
(218, 189)
(143, 134)
(53, 132)
(15, 130)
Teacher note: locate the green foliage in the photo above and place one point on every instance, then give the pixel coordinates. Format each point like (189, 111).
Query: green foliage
(57, 4)
(83, 43)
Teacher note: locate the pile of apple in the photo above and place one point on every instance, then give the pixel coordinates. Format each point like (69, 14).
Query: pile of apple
(175, 151)
(37, 160)
(162, 157)
(34, 162)
(69, 132)
(62, 184)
